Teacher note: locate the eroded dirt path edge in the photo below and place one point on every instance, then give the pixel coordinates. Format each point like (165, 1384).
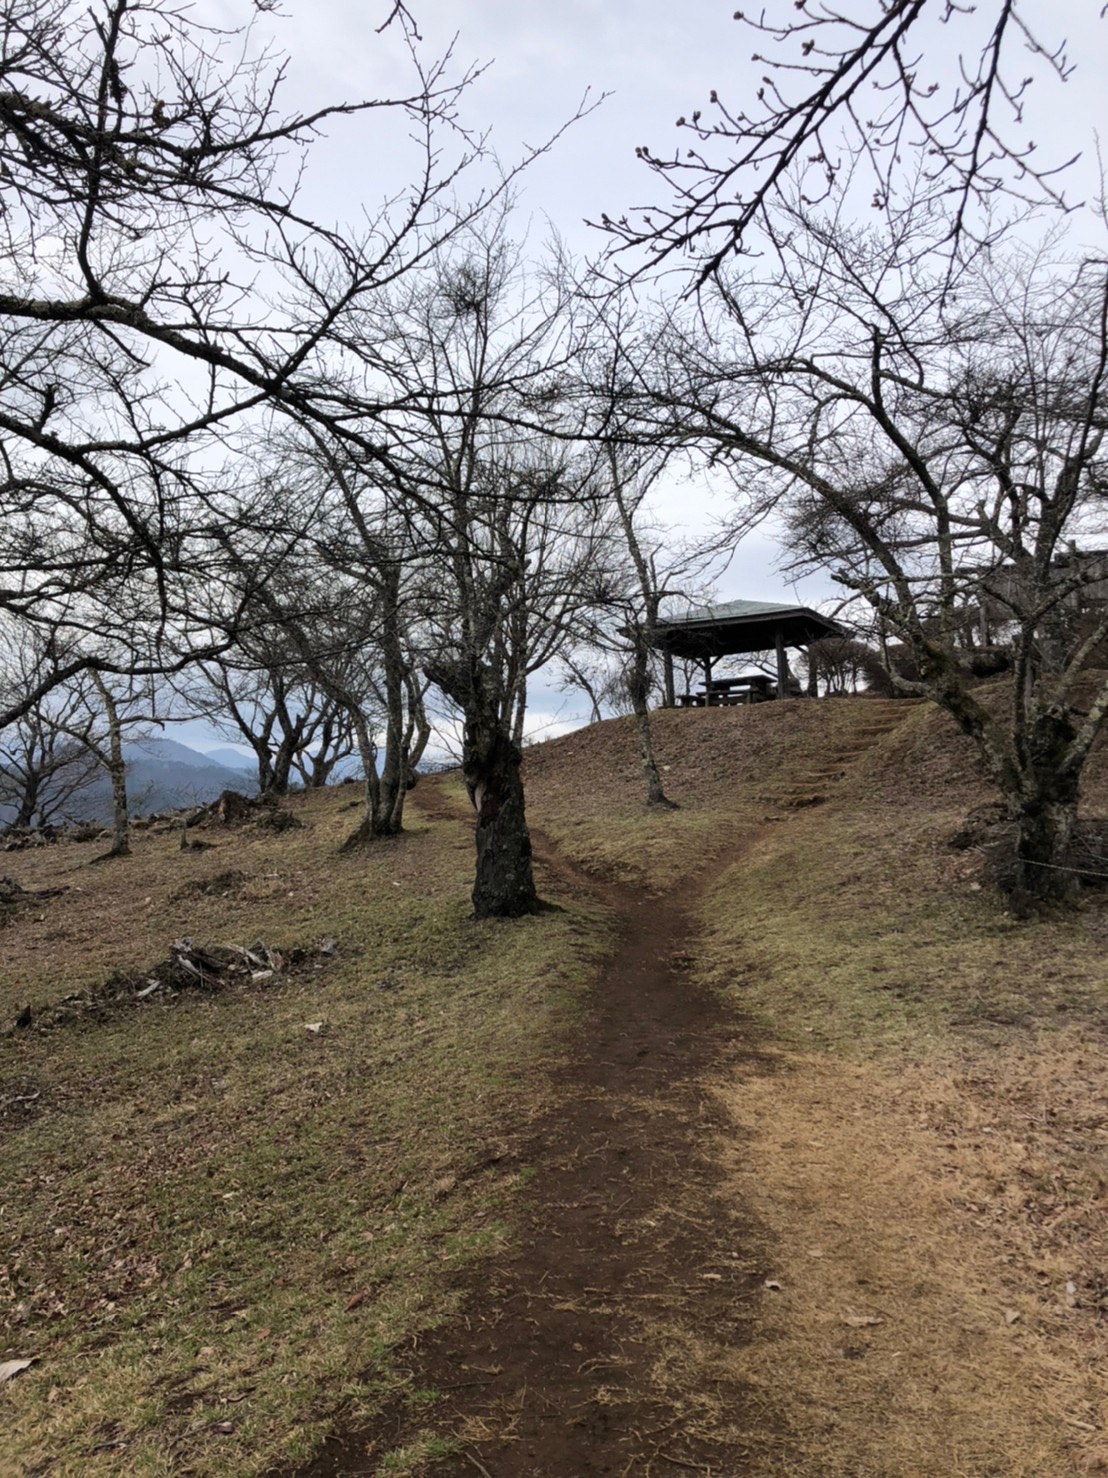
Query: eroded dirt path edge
(566, 1360)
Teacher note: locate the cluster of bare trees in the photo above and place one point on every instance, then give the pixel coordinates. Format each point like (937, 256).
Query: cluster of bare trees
(923, 397)
(289, 470)
(314, 480)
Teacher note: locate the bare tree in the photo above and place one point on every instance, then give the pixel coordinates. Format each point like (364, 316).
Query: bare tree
(941, 446)
(502, 509)
(108, 707)
(338, 587)
(260, 694)
(635, 600)
(371, 589)
(161, 287)
(837, 664)
(917, 99)
(45, 761)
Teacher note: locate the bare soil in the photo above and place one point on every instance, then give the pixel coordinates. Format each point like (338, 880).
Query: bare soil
(554, 1366)
(737, 1255)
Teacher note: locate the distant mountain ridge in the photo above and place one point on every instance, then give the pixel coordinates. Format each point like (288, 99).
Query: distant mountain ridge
(162, 775)
(230, 758)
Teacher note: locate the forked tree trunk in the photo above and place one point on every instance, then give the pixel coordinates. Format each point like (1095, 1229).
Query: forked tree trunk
(366, 830)
(280, 766)
(504, 886)
(406, 733)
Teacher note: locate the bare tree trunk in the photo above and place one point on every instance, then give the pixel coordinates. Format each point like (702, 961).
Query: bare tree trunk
(1045, 831)
(655, 794)
(28, 805)
(394, 781)
(366, 829)
(639, 687)
(259, 743)
(418, 732)
(1047, 814)
(519, 714)
(642, 636)
(280, 767)
(117, 769)
(504, 886)
(406, 735)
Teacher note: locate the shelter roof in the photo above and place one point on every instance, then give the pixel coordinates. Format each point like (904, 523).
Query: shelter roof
(738, 626)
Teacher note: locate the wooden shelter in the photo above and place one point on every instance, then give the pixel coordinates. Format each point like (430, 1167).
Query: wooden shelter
(738, 627)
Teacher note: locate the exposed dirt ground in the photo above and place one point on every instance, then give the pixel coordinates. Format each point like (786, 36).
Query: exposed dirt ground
(805, 1173)
(736, 1257)
(553, 1368)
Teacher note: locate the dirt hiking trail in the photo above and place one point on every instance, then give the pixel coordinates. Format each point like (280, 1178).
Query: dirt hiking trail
(558, 1365)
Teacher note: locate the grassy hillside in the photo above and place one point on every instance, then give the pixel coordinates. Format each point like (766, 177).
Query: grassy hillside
(926, 1155)
(230, 1213)
(218, 1223)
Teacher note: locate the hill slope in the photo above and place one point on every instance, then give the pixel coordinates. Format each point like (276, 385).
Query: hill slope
(243, 1207)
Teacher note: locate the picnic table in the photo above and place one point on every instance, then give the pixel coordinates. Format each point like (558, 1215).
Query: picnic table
(724, 692)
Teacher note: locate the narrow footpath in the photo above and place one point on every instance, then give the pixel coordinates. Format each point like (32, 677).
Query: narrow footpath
(566, 1360)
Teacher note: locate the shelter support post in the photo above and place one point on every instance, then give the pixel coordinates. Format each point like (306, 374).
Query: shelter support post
(670, 694)
(707, 682)
(782, 667)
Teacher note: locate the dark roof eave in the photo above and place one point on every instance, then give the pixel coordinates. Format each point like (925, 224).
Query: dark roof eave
(735, 635)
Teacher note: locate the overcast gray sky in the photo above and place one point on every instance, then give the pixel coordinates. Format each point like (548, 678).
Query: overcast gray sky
(656, 60)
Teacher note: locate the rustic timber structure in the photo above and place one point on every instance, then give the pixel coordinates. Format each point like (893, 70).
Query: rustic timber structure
(736, 628)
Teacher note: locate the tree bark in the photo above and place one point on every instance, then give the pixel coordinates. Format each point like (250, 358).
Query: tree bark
(394, 779)
(28, 805)
(406, 732)
(117, 769)
(1042, 851)
(504, 886)
(655, 792)
(1047, 812)
(366, 830)
(639, 687)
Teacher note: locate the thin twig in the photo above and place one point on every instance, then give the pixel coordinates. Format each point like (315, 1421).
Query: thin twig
(21, 1098)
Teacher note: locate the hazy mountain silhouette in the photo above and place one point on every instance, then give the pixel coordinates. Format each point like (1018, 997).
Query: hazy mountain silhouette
(162, 775)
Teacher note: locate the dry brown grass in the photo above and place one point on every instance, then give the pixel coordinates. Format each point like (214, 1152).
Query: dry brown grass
(949, 1177)
(956, 1203)
(726, 769)
(220, 1228)
(940, 1165)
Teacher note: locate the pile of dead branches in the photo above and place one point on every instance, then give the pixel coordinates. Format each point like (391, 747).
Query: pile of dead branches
(188, 967)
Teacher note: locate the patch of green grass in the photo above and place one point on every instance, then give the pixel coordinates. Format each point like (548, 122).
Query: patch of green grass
(413, 1457)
